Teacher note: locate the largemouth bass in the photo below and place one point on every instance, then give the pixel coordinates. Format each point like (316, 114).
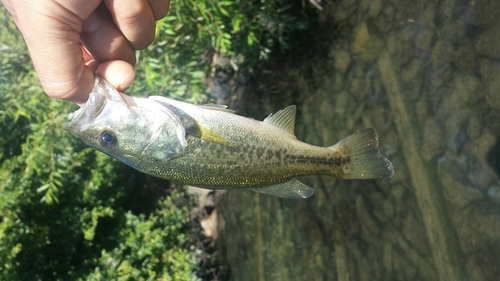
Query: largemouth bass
(211, 147)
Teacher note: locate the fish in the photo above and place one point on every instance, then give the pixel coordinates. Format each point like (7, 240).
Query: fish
(209, 146)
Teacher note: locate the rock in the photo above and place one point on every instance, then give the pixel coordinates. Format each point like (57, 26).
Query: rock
(466, 87)
(477, 227)
(385, 22)
(455, 135)
(341, 103)
(488, 42)
(481, 146)
(340, 15)
(484, 13)
(347, 217)
(357, 88)
(204, 197)
(493, 122)
(375, 8)
(493, 193)
(401, 170)
(433, 141)
(414, 231)
(365, 45)
(387, 258)
(383, 209)
(369, 227)
(411, 75)
(362, 36)
(398, 191)
(219, 87)
(223, 68)
(359, 70)
(342, 60)
(490, 73)
(493, 96)
(388, 208)
(480, 174)
(465, 59)
(335, 83)
(489, 70)
(400, 48)
(475, 126)
(209, 225)
(457, 193)
(423, 107)
(454, 31)
(424, 23)
(371, 50)
(441, 71)
(403, 269)
(483, 266)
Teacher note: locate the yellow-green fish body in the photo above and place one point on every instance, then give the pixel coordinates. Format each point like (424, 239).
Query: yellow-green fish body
(210, 146)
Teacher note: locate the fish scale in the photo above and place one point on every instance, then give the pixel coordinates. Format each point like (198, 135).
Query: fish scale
(234, 167)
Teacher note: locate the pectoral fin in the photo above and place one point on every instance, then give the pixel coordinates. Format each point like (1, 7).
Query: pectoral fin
(290, 189)
(211, 136)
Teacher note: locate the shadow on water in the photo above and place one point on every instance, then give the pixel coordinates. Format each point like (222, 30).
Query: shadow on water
(426, 75)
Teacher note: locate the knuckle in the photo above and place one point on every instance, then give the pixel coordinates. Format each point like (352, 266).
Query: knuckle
(133, 12)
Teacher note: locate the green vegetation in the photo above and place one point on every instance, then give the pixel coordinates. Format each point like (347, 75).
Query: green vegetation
(69, 212)
(249, 30)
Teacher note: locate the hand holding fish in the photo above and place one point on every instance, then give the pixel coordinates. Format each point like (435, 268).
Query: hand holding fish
(70, 40)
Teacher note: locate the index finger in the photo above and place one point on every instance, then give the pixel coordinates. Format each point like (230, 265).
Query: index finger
(135, 19)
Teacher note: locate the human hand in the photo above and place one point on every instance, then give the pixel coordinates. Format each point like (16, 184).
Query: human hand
(69, 40)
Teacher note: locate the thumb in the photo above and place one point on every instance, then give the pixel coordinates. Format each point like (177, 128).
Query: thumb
(118, 73)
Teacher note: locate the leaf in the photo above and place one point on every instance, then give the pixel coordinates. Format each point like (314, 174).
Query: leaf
(236, 23)
(170, 32)
(42, 188)
(223, 11)
(198, 74)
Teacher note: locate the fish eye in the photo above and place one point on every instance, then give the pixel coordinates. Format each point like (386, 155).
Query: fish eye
(108, 139)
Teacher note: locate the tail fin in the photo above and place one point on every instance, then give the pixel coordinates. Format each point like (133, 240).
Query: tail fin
(366, 162)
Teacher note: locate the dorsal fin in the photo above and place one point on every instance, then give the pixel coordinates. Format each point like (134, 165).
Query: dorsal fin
(219, 107)
(283, 119)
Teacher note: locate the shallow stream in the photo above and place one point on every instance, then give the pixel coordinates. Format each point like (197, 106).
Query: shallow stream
(426, 75)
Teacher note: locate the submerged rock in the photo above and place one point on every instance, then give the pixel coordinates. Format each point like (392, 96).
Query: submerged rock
(367, 46)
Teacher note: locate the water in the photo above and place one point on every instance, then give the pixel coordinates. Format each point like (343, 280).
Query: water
(426, 75)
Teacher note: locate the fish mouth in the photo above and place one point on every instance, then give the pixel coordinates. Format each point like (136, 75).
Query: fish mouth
(101, 93)
(83, 116)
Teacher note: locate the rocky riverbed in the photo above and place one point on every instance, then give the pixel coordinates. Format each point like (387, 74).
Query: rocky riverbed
(426, 75)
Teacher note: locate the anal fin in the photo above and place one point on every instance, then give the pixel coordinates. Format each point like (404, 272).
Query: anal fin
(290, 189)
